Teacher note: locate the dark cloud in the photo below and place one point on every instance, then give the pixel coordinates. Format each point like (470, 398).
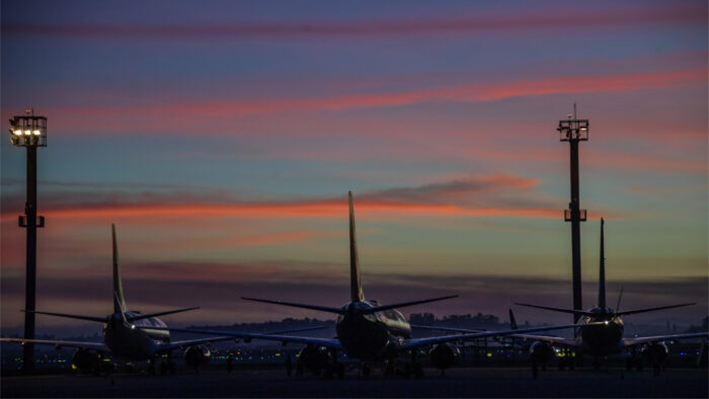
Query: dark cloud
(508, 191)
(560, 19)
(441, 192)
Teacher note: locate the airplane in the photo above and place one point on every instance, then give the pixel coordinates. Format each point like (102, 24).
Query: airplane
(128, 335)
(601, 332)
(367, 330)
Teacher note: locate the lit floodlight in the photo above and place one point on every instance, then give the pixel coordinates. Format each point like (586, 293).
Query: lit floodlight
(28, 131)
(573, 130)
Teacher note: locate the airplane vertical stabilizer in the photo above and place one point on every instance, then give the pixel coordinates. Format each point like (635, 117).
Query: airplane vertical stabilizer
(119, 302)
(602, 274)
(513, 321)
(355, 282)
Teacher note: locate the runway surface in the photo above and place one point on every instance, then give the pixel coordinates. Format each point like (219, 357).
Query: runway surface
(462, 382)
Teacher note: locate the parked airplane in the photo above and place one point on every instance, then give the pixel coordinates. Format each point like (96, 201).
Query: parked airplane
(601, 333)
(367, 330)
(128, 335)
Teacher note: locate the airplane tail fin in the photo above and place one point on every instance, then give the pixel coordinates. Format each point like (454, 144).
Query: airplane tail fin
(357, 295)
(620, 296)
(602, 295)
(513, 321)
(602, 289)
(119, 302)
(602, 274)
(627, 312)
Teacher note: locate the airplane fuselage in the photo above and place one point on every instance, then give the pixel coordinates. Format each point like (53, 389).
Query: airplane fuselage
(129, 342)
(372, 336)
(601, 339)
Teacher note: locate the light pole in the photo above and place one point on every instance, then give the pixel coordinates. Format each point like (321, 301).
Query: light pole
(575, 131)
(30, 131)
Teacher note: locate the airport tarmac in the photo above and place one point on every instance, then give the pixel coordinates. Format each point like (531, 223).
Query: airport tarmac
(461, 382)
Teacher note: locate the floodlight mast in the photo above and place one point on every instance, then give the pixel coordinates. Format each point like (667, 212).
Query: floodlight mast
(30, 131)
(574, 131)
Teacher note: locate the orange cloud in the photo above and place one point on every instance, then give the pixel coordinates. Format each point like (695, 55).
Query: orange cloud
(468, 196)
(290, 210)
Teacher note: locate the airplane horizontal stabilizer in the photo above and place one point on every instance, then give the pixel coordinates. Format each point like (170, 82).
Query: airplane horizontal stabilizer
(403, 304)
(571, 311)
(627, 312)
(591, 314)
(69, 316)
(147, 316)
(513, 321)
(328, 309)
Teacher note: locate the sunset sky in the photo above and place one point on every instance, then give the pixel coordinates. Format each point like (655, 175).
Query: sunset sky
(222, 137)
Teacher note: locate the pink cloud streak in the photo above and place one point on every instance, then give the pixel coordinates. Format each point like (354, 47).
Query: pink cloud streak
(173, 117)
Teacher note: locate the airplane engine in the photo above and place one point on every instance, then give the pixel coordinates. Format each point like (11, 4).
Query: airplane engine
(197, 356)
(656, 353)
(86, 360)
(314, 358)
(541, 352)
(444, 355)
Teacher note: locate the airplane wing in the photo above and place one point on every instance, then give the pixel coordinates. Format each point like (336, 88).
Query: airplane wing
(628, 312)
(416, 342)
(191, 342)
(224, 336)
(97, 346)
(284, 339)
(630, 342)
(450, 329)
(335, 344)
(625, 343)
(561, 341)
(151, 315)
